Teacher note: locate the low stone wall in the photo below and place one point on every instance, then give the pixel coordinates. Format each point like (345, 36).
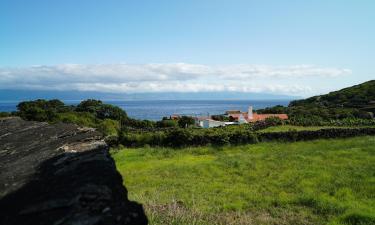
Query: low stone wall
(60, 174)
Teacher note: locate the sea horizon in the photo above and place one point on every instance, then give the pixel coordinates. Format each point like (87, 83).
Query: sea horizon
(157, 109)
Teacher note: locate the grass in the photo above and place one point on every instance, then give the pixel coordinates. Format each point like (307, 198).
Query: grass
(315, 182)
(283, 128)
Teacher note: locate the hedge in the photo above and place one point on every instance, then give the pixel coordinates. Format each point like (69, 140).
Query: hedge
(220, 136)
(311, 135)
(188, 137)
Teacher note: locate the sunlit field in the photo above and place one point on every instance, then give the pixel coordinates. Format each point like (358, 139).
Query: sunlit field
(314, 182)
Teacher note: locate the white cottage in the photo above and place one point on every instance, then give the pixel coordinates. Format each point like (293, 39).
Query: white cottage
(208, 123)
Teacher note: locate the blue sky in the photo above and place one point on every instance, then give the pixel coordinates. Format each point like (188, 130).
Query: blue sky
(289, 47)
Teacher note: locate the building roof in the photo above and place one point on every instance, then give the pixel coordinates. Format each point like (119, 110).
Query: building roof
(258, 117)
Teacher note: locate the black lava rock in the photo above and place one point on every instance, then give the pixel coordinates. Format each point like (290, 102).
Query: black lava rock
(60, 174)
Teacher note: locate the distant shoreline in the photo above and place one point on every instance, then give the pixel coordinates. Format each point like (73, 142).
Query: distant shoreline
(157, 109)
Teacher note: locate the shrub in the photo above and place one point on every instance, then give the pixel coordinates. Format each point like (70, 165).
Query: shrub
(109, 127)
(273, 121)
(5, 114)
(218, 138)
(166, 123)
(186, 121)
(221, 118)
(243, 137)
(311, 135)
(178, 138)
(100, 110)
(79, 118)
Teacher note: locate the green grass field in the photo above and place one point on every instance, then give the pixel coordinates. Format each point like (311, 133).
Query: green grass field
(314, 182)
(283, 128)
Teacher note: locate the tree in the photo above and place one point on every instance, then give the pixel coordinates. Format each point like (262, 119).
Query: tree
(89, 105)
(40, 110)
(106, 111)
(186, 121)
(101, 110)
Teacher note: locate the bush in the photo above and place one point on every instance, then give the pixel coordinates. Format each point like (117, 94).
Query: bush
(316, 121)
(140, 124)
(274, 121)
(268, 122)
(311, 135)
(5, 114)
(243, 137)
(100, 110)
(133, 139)
(109, 127)
(178, 138)
(230, 135)
(166, 123)
(89, 105)
(186, 121)
(221, 118)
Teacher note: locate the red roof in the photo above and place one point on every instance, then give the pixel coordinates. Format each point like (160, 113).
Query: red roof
(258, 117)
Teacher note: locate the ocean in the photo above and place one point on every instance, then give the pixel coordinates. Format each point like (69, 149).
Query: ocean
(157, 109)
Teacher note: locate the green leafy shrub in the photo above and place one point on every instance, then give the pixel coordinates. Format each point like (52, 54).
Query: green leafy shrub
(185, 121)
(80, 118)
(274, 121)
(221, 118)
(5, 114)
(311, 135)
(166, 123)
(109, 127)
(178, 138)
(101, 110)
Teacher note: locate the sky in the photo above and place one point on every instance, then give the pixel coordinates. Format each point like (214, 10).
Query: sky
(299, 48)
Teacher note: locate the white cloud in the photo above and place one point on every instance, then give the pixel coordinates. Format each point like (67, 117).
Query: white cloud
(172, 77)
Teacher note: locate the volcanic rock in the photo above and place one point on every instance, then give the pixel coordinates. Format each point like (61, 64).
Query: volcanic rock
(60, 174)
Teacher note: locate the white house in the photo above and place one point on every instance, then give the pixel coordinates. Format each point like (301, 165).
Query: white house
(208, 123)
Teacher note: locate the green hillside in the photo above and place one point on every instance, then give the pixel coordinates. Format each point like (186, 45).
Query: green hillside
(360, 96)
(356, 102)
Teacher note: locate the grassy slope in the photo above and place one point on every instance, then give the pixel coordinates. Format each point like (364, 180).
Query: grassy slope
(315, 182)
(354, 96)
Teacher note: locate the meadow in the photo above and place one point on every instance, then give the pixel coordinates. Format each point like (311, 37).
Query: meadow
(312, 182)
(285, 128)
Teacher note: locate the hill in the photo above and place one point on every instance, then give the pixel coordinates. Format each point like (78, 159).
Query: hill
(360, 96)
(356, 102)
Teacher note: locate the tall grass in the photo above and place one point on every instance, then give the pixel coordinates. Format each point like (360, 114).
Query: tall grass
(314, 182)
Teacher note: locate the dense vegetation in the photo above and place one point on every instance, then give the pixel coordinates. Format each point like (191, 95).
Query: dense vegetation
(120, 129)
(354, 105)
(358, 96)
(90, 113)
(179, 137)
(189, 175)
(345, 108)
(232, 135)
(312, 182)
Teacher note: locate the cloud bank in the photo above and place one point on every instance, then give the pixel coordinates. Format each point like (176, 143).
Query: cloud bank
(170, 77)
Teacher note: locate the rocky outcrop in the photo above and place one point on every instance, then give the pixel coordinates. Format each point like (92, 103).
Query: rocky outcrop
(60, 174)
